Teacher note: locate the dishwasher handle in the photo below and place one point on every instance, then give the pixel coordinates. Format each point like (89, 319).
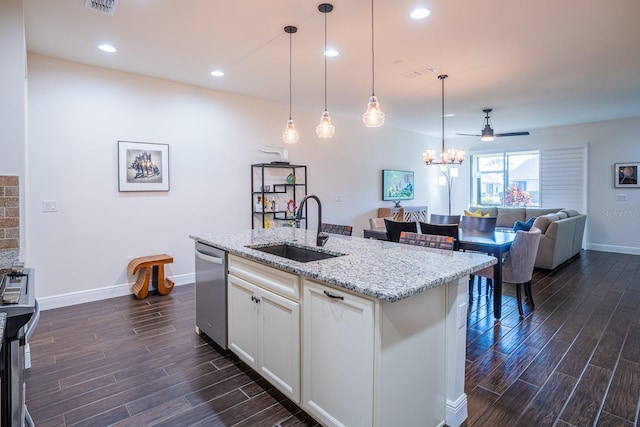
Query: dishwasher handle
(209, 258)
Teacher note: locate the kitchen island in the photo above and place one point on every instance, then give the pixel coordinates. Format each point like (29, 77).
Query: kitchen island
(374, 335)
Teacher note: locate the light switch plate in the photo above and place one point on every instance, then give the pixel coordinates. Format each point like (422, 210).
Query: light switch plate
(621, 197)
(50, 206)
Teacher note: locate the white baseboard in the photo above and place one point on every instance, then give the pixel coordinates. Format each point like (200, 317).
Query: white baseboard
(97, 294)
(629, 250)
(456, 411)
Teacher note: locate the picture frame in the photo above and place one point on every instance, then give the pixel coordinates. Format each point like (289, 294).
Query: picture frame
(625, 175)
(143, 166)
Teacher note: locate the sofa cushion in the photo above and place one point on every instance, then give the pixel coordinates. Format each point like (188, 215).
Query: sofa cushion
(571, 212)
(507, 217)
(540, 211)
(542, 222)
(522, 225)
(562, 214)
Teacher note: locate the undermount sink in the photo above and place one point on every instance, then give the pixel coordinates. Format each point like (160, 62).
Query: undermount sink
(296, 253)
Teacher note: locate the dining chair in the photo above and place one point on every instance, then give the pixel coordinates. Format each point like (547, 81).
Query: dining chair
(444, 219)
(517, 266)
(394, 228)
(344, 230)
(482, 224)
(450, 230)
(427, 240)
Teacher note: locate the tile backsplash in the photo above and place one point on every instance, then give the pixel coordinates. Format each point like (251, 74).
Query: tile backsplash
(9, 220)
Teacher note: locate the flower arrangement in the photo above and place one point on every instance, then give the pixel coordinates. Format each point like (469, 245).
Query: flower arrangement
(515, 196)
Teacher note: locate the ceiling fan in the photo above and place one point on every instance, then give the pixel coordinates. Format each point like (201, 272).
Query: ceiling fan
(487, 132)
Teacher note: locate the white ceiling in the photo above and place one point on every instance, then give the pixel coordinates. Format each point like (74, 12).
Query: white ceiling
(536, 63)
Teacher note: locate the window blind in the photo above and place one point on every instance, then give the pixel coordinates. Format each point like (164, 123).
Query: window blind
(563, 180)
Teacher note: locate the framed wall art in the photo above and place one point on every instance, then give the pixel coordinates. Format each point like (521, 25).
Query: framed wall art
(143, 166)
(625, 175)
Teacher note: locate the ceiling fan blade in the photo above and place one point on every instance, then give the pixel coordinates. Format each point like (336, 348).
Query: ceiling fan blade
(511, 134)
(467, 134)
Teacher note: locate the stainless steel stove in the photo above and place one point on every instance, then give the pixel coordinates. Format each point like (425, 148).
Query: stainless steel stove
(18, 301)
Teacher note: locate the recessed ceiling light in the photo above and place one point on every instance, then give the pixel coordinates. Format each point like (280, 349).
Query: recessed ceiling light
(107, 48)
(217, 73)
(331, 52)
(420, 13)
(448, 115)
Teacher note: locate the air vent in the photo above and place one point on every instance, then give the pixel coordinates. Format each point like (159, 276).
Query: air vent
(103, 6)
(419, 72)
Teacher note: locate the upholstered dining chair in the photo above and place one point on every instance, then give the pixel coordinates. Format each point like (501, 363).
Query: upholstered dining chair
(345, 230)
(444, 219)
(428, 240)
(517, 266)
(450, 230)
(394, 228)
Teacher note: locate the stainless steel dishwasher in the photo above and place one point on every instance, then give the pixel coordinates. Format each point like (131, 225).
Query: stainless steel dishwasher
(211, 293)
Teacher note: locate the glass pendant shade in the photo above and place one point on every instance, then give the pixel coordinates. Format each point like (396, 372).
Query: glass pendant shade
(290, 135)
(374, 117)
(325, 129)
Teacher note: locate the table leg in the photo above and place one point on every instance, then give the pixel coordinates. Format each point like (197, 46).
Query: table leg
(497, 286)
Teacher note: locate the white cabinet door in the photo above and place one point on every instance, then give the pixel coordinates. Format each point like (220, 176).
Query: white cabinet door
(264, 331)
(279, 342)
(338, 355)
(243, 320)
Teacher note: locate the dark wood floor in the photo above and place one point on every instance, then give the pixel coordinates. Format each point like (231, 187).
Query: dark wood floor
(573, 361)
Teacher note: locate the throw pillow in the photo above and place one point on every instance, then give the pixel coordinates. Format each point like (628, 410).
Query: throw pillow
(477, 214)
(522, 225)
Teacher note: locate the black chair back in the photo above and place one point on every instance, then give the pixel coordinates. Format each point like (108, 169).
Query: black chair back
(444, 219)
(450, 230)
(394, 228)
(483, 224)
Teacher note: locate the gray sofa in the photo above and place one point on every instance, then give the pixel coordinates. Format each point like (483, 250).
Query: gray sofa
(561, 237)
(562, 231)
(507, 217)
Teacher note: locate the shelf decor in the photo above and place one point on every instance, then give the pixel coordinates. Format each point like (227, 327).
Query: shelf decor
(143, 166)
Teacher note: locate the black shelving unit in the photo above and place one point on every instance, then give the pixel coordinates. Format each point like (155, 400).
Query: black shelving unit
(269, 182)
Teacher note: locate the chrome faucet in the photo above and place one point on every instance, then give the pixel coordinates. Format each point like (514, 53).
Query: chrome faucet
(322, 237)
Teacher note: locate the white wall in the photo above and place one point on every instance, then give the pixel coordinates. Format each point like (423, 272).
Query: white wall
(13, 99)
(77, 115)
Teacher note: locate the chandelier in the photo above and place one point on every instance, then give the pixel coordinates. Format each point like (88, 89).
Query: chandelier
(452, 156)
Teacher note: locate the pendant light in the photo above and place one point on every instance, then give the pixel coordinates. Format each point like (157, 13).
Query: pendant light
(373, 117)
(453, 155)
(290, 135)
(325, 129)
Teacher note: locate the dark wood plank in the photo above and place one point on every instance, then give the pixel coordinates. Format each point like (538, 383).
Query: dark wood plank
(584, 405)
(572, 361)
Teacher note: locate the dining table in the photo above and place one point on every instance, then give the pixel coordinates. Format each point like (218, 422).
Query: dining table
(496, 243)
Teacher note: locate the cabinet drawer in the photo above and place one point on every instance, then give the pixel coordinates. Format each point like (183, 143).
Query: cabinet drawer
(278, 281)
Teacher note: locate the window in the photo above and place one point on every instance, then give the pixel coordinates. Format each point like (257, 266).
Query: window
(506, 179)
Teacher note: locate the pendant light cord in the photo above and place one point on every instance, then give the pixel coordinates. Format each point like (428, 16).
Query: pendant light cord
(325, 61)
(442, 77)
(290, 42)
(373, 56)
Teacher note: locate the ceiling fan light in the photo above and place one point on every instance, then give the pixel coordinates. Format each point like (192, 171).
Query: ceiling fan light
(325, 129)
(290, 135)
(487, 133)
(373, 117)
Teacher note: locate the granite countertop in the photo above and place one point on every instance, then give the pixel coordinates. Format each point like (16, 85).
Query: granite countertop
(384, 270)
